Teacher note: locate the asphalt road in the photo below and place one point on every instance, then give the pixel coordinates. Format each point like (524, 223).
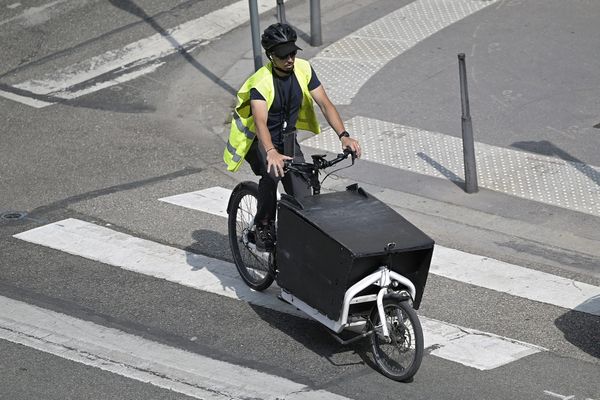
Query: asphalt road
(107, 157)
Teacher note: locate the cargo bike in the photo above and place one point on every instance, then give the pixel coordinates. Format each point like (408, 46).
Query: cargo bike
(345, 259)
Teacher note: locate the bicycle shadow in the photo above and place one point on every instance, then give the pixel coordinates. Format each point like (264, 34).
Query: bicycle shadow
(314, 337)
(581, 328)
(221, 277)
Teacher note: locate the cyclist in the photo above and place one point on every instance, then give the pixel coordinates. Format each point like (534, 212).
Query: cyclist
(271, 105)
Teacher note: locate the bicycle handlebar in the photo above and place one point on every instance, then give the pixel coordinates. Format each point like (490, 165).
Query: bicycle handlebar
(319, 162)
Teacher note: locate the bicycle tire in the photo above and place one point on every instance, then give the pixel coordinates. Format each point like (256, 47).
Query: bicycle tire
(406, 337)
(254, 270)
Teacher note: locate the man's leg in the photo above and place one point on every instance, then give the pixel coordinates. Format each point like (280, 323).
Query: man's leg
(267, 198)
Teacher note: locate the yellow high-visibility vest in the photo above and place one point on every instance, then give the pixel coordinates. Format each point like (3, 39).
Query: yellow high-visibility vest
(243, 131)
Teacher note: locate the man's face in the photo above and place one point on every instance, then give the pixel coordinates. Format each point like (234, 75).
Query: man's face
(286, 62)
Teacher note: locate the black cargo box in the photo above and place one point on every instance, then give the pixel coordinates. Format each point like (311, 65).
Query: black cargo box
(327, 243)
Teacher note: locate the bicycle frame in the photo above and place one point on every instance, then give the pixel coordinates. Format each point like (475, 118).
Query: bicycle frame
(383, 277)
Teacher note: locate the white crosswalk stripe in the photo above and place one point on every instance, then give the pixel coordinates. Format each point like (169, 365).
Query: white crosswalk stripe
(486, 351)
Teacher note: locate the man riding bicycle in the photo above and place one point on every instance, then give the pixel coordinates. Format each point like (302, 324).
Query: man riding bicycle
(274, 102)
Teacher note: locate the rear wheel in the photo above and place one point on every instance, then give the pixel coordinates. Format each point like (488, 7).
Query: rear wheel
(398, 357)
(253, 266)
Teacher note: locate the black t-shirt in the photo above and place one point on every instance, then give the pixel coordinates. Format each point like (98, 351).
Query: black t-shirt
(287, 92)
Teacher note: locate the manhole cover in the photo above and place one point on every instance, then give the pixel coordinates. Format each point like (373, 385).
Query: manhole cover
(13, 215)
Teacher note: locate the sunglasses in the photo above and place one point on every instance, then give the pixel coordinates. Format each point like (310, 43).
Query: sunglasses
(292, 55)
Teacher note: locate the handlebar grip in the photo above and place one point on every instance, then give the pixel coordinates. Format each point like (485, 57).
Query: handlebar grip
(347, 152)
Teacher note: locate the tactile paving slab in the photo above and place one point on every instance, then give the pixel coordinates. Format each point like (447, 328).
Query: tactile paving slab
(349, 63)
(549, 180)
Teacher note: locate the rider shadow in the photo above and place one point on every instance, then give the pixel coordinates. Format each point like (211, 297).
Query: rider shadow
(206, 239)
(581, 328)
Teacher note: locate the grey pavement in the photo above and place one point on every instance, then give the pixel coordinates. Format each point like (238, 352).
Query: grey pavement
(108, 156)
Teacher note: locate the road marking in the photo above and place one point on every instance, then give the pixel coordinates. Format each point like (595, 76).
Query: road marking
(80, 238)
(35, 15)
(544, 179)
(212, 200)
(457, 265)
(349, 63)
(116, 64)
(141, 359)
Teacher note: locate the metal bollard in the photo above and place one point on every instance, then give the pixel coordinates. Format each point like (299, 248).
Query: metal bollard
(255, 30)
(281, 12)
(315, 23)
(467, 130)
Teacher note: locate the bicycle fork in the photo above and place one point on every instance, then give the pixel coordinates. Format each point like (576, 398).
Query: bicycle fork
(388, 279)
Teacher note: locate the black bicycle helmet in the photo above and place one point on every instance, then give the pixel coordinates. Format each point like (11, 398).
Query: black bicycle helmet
(279, 34)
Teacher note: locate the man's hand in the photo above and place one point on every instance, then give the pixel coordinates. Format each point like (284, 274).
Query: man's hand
(275, 160)
(352, 144)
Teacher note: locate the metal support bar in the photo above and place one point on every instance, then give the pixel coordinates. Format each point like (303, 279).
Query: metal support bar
(467, 130)
(351, 340)
(255, 29)
(281, 12)
(315, 23)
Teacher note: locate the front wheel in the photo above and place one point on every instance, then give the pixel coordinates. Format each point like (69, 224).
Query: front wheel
(399, 356)
(253, 266)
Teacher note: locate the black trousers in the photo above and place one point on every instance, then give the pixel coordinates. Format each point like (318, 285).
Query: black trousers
(293, 183)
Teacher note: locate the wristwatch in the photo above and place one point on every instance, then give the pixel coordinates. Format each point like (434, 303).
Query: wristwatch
(341, 135)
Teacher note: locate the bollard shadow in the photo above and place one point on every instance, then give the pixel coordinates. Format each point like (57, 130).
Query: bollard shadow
(457, 180)
(131, 7)
(581, 328)
(547, 148)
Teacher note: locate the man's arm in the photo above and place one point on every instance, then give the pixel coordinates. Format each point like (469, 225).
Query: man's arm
(333, 118)
(274, 158)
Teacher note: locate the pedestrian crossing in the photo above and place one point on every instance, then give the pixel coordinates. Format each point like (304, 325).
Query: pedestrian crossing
(105, 245)
(473, 348)
(216, 276)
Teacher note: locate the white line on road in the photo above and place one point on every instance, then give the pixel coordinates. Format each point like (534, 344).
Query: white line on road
(36, 15)
(121, 61)
(457, 265)
(141, 359)
(487, 351)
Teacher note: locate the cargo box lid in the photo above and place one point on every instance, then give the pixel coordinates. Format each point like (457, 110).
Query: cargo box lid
(359, 221)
